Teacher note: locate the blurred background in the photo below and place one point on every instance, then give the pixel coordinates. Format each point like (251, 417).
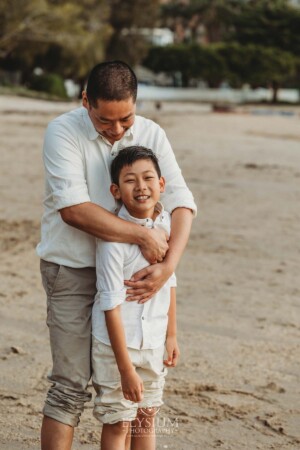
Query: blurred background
(248, 47)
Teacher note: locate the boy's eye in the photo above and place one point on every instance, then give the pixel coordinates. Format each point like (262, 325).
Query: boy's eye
(129, 181)
(149, 178)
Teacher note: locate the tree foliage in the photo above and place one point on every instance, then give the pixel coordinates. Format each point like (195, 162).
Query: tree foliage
(254, 41)
(257, 65)
(127, 19)
(62, 35)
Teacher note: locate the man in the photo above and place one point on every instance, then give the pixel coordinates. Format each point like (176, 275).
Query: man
(78, 149)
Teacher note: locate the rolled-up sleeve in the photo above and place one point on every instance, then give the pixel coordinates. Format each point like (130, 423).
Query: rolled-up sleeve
(64, 166)
(110, 274)
(176, 194)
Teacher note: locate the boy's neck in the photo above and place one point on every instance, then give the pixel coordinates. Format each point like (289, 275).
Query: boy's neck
(152, 214)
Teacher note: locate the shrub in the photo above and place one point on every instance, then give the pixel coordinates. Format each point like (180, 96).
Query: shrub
(51, 83)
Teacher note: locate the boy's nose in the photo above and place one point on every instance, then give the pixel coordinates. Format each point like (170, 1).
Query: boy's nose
(141, 185)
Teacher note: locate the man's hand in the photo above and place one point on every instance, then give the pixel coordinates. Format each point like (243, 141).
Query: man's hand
(172, 350)
(156, 245)
(132, 386)
(145, 283)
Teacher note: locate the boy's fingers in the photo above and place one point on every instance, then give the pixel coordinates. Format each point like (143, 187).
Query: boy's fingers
(175, 359)
(168, 363)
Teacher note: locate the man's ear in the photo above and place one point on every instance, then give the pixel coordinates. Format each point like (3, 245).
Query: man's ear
(85, 101)
(115, 190)
(162, 183)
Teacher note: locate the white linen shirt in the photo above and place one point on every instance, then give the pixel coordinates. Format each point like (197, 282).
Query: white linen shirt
(145, 325)
(77, 163)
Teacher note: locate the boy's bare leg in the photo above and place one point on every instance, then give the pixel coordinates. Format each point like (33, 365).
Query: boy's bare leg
(143, 430)
(128, 440)
(113, 436)
(56, 435)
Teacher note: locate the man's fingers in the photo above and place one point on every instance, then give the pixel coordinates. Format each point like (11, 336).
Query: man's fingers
(140, 274)
(142, 298)
(143, 284)
(145, 299)
(136, 291)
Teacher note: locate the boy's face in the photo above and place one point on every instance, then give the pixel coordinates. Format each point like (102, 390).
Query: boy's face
(139, 188)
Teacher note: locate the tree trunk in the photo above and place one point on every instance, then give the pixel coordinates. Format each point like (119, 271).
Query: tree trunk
(275, 87)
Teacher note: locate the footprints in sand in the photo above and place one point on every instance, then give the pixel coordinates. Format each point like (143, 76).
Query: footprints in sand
(24, 234)
(210, 404)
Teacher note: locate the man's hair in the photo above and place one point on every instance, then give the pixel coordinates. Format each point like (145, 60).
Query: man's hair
(111, 81)
(128, 156)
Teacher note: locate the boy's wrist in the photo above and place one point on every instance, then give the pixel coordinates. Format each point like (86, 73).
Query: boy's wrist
(172, 335)
(126, 368)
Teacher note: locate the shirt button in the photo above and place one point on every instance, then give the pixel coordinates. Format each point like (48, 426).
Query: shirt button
(143, 318)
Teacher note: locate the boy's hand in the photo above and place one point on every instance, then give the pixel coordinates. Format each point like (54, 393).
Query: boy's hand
(146, 282)
(132, 386)
(172, 350)
(155, 246)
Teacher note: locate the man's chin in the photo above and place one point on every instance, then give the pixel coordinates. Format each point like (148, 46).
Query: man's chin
(113, 137)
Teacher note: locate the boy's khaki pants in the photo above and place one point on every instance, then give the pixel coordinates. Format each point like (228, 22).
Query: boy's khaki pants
(70, 297)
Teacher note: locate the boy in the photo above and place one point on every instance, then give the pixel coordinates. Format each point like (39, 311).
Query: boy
(129, 337)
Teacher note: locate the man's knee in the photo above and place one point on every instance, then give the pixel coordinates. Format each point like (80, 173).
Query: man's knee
(65, 404)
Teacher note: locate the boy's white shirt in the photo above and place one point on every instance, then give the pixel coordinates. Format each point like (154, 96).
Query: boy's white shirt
(145, 325)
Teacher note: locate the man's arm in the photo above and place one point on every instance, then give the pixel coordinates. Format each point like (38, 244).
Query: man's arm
(99, 222)
(145, 283)
(132, 385)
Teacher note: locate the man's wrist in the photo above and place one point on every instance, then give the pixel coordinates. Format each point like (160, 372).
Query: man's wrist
(169, 268)
(141, 236)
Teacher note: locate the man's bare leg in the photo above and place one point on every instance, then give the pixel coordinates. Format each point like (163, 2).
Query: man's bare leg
(56, 435)
(114, 436)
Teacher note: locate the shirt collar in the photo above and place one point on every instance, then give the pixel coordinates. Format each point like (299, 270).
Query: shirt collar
(148, 222)
(93, 134)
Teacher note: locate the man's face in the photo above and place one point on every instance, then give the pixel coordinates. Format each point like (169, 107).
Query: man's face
(139, 188)
(111, 118)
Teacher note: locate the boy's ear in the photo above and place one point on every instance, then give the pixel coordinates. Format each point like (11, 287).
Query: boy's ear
(162, 183)
(115, 190)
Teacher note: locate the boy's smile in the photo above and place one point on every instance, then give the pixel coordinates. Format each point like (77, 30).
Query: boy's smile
(139, 188)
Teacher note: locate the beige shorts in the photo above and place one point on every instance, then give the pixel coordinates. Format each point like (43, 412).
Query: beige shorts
(110, 404)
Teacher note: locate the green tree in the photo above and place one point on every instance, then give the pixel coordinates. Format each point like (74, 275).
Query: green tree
(192, 61)
(216, 16)
(64, 36)
(269, 23)
(127, 20)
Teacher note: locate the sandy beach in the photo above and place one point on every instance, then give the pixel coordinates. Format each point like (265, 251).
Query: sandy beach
(237, 385)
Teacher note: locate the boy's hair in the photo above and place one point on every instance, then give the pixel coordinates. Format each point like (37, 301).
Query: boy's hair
(128, 156)
(111, 81)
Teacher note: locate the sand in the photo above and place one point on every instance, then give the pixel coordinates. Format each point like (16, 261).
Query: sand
(237, 384)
